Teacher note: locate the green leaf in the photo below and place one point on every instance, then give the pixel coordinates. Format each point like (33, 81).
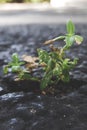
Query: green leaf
(73, 63)
(51, 63)
(43, 55)
(21, 63)
(65, 77)
(58, 68)
(5, 69)
(78, 39)
(70, 28)
(69, 41)
(46, 80)
(24, 76)
(15, 68)
(66, 64)
(15, 58)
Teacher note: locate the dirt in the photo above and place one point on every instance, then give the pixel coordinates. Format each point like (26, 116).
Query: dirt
(21, 108)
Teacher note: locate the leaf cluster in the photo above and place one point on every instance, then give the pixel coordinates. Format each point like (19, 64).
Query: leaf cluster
(55, 64)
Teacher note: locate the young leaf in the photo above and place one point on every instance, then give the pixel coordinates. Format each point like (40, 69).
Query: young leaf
(70, 28)
(15, 58)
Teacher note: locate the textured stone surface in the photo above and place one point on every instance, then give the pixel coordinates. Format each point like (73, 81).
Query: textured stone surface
(25, 110)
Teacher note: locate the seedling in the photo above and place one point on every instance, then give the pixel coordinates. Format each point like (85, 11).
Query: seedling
(14, 65)
(55, 64)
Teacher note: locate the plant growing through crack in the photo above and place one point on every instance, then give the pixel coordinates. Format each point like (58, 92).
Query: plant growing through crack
(55, 64)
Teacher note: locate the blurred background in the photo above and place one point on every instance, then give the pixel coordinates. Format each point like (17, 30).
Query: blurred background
(42, 11)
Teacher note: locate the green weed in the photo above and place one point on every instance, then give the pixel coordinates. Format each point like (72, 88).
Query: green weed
(55, 64)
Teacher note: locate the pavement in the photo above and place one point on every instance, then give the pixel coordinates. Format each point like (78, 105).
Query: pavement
(15, 14)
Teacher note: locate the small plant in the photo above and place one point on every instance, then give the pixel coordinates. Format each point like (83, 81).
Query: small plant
(55, 64)
(14, 65)
(17, 66)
